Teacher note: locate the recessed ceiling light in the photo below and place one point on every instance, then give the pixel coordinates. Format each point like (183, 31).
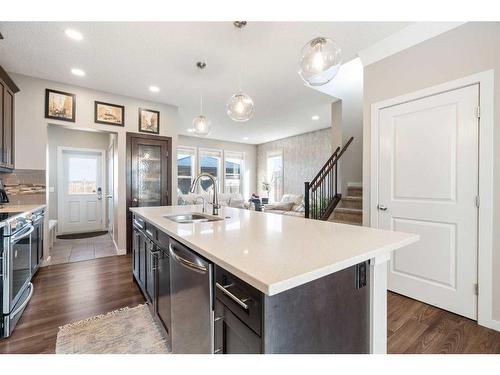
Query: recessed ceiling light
(78, 72)
(190, 130)
(315, 117)
(245, 138)
(73, 34)
(154, 88)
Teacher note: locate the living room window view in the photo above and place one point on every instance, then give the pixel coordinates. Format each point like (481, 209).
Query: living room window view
(252, 187)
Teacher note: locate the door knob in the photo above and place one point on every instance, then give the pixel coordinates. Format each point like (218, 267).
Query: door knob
(381, 207)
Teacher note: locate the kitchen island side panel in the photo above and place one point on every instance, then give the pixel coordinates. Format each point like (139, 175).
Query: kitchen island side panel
(328, 315)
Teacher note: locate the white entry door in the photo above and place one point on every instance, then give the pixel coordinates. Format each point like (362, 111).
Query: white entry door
(428, 184)
(80, 190)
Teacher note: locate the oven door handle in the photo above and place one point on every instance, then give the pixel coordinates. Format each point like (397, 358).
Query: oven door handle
(23, 305)
(23, 235)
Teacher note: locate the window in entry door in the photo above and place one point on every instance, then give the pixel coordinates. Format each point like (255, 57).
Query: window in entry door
(82, 175)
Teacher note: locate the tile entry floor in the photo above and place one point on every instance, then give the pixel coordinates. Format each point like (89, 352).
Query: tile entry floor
(69, 251)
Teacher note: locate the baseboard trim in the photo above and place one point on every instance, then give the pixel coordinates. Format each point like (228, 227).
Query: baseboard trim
(492, 324)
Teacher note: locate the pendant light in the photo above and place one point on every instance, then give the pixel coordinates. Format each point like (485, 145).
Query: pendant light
(320, 61)
(240, 106)
(201, 124)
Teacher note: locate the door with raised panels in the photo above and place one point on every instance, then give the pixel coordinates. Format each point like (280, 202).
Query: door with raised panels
(80, 191)
(428, 184)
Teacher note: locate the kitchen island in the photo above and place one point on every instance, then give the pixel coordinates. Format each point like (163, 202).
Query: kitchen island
(290, 277)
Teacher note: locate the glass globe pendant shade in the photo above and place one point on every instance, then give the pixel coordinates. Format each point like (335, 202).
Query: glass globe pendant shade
(240, 107)
(201, 126)
(320, 61)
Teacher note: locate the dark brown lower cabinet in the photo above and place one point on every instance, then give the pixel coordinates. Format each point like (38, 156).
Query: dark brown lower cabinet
(231, 335)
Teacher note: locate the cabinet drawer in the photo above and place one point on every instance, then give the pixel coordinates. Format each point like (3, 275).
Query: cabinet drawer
(229, 289)
(151, 231)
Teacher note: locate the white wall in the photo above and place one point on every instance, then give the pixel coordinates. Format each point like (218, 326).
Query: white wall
(32, 138)
(348, 87)
(466, 50)
(250, 174)
(303, 157)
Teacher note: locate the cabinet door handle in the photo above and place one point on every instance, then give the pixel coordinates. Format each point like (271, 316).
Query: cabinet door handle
(232, 296)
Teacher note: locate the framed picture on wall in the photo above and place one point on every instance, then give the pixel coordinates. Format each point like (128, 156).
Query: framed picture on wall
(149, 121)
(109, 114)
(60, 105)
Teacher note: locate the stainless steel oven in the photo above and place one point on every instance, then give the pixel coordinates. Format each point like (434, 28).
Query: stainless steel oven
(17, 288)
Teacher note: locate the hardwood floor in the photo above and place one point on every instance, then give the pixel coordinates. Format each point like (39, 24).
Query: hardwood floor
(67, 293)
(415, 327)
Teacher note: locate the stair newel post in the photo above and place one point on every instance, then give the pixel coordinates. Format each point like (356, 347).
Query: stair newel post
(306, 200)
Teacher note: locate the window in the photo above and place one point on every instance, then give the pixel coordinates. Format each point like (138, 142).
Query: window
(185, 169)
(233, 169)
(210, 162)
(275, 174)
(82, 175)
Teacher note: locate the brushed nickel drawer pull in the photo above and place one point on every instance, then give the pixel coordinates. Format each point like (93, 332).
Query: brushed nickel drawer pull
(232, 296)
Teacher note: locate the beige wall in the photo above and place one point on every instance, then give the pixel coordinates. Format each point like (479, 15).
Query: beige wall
(250, 176)
(32, 136)
(469, 49)
(303, 157)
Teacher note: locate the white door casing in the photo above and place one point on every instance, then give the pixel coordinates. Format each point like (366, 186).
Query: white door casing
(110, 190)
(80, 204)
(428, 181)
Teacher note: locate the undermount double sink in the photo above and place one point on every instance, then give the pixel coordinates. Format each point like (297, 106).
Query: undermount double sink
(192, 217)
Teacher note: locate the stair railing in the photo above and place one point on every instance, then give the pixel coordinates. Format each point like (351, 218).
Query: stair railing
(321, 194)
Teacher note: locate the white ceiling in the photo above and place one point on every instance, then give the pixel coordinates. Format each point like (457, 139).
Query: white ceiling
(126, 58)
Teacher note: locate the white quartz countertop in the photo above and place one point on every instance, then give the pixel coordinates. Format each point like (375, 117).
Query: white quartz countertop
(23, 208)
(272, 252)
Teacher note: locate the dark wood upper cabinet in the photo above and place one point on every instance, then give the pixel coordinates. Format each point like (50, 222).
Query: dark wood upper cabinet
(149, 174)
(7, 121)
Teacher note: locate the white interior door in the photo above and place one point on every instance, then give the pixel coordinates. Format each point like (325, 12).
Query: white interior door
(80, 191)
(428, 184)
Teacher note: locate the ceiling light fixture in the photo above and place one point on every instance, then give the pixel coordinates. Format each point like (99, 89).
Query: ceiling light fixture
(78, 72)
(154, 89)
(73, 34)
(245, 138)
(201, 124)
(315, 118)
(320, 61)
(240, 106)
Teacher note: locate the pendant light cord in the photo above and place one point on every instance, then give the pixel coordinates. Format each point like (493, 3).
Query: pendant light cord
(240, 58)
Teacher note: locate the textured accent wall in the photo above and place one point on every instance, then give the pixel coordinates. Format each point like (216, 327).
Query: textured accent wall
(25, 186)
(303, 156)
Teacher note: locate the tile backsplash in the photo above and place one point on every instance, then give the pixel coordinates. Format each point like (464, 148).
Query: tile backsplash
(25, 186)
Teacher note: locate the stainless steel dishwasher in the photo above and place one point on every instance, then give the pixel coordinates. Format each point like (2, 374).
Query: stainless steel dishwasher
(191, 279)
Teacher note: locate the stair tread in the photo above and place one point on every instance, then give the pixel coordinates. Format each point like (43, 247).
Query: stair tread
(352, 198)
(349, 210)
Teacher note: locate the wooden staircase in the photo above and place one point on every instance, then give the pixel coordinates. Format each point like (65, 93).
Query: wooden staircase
(321, 195)
(350, 209)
